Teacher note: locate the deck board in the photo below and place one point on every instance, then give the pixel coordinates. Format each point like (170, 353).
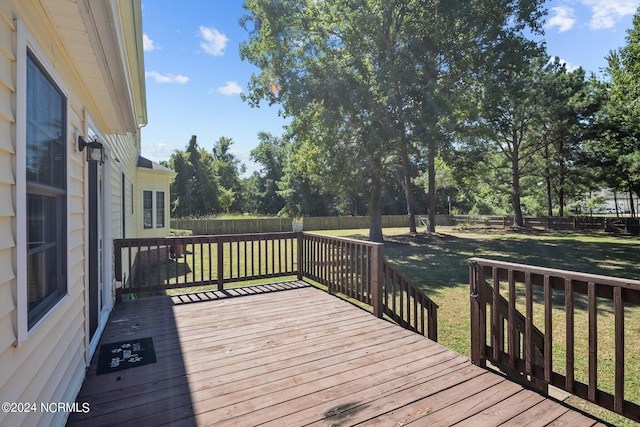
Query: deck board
(290, 354)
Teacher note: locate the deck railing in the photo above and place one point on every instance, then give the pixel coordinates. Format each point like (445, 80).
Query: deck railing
(351, 267)
(556, 327)
(407, 305)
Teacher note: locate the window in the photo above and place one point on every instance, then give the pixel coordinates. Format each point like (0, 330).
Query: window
(46, 191)
(147, 209)
(153, 210)
(160, 209)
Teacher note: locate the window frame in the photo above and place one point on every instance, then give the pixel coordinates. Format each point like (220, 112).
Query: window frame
(154, 208)
(27, 46)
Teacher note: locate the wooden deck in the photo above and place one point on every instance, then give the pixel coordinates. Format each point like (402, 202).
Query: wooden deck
(293, 355)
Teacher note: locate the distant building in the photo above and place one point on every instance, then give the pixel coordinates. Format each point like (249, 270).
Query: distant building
(611, 199)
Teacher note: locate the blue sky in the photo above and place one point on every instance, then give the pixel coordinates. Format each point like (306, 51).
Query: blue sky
(194, 74)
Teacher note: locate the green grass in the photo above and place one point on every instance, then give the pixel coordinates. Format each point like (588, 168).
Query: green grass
(438, 264)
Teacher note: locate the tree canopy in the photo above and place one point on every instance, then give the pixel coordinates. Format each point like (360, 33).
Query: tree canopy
(419, 106)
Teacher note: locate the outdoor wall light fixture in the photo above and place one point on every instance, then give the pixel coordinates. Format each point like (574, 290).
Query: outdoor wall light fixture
(95, 149)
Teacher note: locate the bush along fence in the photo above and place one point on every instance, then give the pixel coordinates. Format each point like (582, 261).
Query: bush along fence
(279, 225)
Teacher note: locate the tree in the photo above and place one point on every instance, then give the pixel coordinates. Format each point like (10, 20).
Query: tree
(361, 77)
(570, 102)
(327, 58)
(619, 145)
(228, 168)
(510, 123)
(194, 191)
(302, 194)
(271, 153)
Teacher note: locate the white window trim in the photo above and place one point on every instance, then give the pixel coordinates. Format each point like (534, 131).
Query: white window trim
(154, 210)
(25, 40)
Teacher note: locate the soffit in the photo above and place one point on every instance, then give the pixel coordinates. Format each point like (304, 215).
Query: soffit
(92, 33)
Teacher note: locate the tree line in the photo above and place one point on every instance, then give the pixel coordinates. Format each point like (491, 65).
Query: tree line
(405, 106)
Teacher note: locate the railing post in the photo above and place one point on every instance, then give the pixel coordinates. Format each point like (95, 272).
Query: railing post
(433, 322)
(477, 326)
(117, 256)
(377, 279)
(220, 277)
(300, 255)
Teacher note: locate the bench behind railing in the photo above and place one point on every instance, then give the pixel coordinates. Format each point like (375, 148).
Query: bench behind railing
(537, 354)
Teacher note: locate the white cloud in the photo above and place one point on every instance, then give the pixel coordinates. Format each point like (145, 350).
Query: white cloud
(570, 67)
(212, 41)
(147, 44)
(158, 151)
(563, 18)
(230, 88)
(167, 78)
(606, 13)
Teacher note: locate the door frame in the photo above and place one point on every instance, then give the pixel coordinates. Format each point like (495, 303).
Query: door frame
(103, 300)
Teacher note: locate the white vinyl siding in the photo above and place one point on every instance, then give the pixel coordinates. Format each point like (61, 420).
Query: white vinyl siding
(44, 363)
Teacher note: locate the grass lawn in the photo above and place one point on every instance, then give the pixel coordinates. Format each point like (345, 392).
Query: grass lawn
(438, 264)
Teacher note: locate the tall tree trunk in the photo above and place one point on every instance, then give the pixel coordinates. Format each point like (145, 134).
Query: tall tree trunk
(615, 202)
(431, 161)
(408, 186)
(518, 219)
(561, 196)
(632, 208)
(562, 179)
(547, 178)
(375, 204)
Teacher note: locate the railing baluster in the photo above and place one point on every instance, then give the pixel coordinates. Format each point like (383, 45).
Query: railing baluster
(528, 340)
(618, 308)
(237, 260)
(201, 249)
(512, 337)
(548, 329)
(220, 265)
(273, 258)
(495, 314)
(593, 341)
(482, 319)
(158, 260)
(568, 301)
(261, 267)
(177, 266)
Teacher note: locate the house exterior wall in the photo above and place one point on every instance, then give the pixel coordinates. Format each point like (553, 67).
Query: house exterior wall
(47, 364)
(148, 180)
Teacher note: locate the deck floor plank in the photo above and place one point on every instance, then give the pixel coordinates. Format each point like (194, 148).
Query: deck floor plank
(290, 354)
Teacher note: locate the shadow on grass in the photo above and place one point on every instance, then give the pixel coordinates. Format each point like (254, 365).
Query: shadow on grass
(168, 272)
(440, 261)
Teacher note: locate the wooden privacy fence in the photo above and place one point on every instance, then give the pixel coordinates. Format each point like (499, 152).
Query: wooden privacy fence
(523, 319)
(278, 225)
(352, 267)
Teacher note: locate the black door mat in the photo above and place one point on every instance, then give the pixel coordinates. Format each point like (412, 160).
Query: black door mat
(125, 354)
